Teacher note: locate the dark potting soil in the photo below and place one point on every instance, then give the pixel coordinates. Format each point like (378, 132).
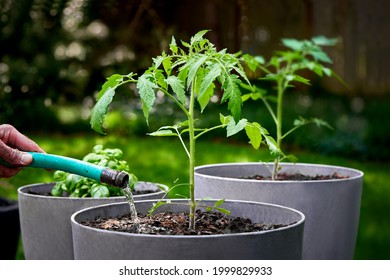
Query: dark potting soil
(207, 223)
(298, 177)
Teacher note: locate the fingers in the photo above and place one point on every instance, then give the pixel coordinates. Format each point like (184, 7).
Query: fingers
(14, 156)
(13, 138)
(12, 145)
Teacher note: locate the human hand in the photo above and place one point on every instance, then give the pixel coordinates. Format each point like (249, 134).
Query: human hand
(13, 146)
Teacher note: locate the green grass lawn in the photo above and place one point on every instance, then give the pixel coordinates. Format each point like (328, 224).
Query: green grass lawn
(162, 160)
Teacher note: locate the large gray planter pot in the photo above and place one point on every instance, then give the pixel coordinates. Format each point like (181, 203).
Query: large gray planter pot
(45, 220)
(331, 207)
(282, 243)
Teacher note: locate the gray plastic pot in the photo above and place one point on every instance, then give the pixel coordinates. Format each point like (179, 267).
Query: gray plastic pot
(45, 220)
(281, 243)
(331, 207)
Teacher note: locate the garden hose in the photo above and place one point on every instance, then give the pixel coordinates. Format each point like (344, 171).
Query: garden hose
(99, 173)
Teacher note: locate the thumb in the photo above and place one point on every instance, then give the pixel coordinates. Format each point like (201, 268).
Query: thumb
(14, 156)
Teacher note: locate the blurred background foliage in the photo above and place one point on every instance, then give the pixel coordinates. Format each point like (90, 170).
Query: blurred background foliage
(56, 54)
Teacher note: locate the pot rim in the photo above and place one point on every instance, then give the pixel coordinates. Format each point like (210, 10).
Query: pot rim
(297, 224)
(23, 190)
(357, 173)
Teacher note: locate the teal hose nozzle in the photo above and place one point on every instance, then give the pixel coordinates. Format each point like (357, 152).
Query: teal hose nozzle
(102, 174)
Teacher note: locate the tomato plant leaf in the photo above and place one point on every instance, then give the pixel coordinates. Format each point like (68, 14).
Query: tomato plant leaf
(233, 128)
(146, 90)
(99, 111)
(254, 134)
(177, 87)
(232, 94)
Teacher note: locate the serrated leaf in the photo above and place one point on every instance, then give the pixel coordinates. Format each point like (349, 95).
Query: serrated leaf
(167, 64)
(204, 99)
(146, 90)
(198, 36)
(224, 119)
(112, 82)
(272, 146)
(173, 46)
(177, 86)
(193, 67)
(232, 94)
(99, 111)
(157, 61)
(185, 44)
(233, 128)
(251, 62)
(254, 134)
(213, 72)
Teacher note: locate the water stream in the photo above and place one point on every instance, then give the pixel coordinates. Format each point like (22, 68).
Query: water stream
(130, 200)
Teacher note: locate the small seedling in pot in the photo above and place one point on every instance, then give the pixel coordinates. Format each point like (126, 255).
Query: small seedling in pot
(282, 70)
(187, 75)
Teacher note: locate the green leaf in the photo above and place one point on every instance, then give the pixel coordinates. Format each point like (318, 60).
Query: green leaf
(328, 72)
(254, 134)
(223, 210)
(99, 111)
(300, 79)
(319, 122)
(324, 41)
(146, 90)
(272, 146)
(204, 99)
(157, 61)
(177, 87)
(173, 46)
(198, 37)
(291, 158)
(213, 72)
(167, 64)
(219, 202)
(57, 189)
(99, 191)
(321, 56)
(232, 94)
(233, 128)
(224, 120)
(293, 44)
(194, 64)
(163, 132)
(112, 82)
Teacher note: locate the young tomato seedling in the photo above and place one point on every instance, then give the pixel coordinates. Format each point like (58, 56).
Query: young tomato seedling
(282, 69)
(187, 75)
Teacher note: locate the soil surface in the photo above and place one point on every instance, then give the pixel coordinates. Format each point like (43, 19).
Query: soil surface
(297, 177)
(207, 223)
